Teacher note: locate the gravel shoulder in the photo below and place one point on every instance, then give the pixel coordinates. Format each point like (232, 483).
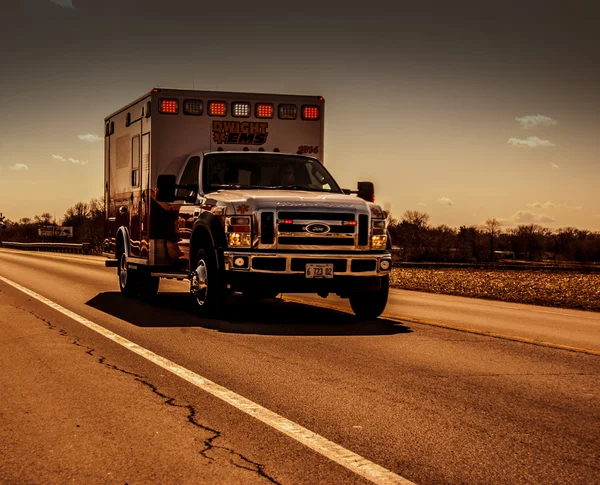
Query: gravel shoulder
(574, 290)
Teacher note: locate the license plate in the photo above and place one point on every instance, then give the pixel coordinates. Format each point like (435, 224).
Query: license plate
(320, 270)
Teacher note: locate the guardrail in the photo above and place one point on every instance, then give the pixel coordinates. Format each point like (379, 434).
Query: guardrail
(83, 248)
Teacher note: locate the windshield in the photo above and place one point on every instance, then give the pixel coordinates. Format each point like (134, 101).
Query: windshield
(265, 171)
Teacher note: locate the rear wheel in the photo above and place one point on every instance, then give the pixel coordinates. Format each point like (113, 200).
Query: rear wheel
(370, 304)
(206, 283)
(128, 279)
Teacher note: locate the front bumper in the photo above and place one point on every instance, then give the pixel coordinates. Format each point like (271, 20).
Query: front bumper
(345, 264)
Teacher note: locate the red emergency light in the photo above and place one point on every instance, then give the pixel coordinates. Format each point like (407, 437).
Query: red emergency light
(169, 106)
(310, 112)
(264, 110)
(217, 108)
(286, 221)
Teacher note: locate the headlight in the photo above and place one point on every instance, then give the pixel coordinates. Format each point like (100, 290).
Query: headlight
(378, 234)
(238, 230)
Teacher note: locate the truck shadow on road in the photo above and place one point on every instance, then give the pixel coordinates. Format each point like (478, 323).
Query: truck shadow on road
(263, 317)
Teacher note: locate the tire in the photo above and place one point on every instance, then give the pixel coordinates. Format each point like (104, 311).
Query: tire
(369, 305)
(149, 286)
(128, 279)
(207, 285)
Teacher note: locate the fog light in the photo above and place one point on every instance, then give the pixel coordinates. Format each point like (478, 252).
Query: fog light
(239, 262)
(384, 264)
(378, 242)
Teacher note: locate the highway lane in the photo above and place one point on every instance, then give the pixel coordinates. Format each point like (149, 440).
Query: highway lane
(432, 405)
(560, 327)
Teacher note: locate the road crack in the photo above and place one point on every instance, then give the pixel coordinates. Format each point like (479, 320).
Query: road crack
(237, 459)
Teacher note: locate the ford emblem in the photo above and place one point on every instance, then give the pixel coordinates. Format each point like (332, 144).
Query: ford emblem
(317, 228)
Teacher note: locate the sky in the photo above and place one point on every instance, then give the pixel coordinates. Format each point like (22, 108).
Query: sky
(466, 110)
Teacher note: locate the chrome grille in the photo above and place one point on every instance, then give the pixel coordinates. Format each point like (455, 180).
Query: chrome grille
(314, 229)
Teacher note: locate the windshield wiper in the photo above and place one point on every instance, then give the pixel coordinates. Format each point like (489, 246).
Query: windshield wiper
(237, 186)
(299, 187)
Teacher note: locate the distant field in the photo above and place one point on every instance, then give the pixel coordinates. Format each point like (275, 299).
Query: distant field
(571, 289)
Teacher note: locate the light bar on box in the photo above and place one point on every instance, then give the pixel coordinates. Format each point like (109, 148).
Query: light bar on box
(168, 106)
(193, 107)
(288, 112)
(240, 109)
(310, 112)
(264, 110)
(217, 108)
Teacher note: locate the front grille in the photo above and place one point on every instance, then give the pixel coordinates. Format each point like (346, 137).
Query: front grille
(301, 228)
(339, 265)
(316, 241)
(267, 225)
(363, 265)
(269, 264)
(363, 230)
(317, 216)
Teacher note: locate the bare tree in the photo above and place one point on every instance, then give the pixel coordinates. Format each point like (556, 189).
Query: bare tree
(492, 229)
(418, 219)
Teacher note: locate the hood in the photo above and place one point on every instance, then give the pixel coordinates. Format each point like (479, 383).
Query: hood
(244, 200)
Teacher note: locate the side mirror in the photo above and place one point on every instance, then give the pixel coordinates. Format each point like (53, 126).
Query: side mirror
(165, 188)
(366, 191)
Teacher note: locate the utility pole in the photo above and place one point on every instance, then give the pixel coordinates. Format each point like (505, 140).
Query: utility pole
(2, 224)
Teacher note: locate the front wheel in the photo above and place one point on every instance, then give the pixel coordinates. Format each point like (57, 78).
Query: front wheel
(206, 283)
(368, 305)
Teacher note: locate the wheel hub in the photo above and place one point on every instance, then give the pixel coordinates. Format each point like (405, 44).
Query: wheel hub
(199, 282)
(123, 270)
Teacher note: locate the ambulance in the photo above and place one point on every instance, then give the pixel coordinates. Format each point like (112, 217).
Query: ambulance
(229, 191)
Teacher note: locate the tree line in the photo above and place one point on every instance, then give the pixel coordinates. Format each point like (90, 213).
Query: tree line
(86, 218)
(418, 241)
(412, 236)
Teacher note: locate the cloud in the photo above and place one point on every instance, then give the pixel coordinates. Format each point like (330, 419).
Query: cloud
(63, 3)
(545, 205)
(554, 166)
(552, 205)
(530, 142)
(446, 201)
(89, 138)
(526, 217)
(72, 160)
(422, 204)
(532, 121)
(18, 166)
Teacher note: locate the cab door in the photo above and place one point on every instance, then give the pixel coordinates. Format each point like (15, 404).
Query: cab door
(185, 222)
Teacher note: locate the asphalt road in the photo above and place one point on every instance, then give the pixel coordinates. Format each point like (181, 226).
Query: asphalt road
(430, 404)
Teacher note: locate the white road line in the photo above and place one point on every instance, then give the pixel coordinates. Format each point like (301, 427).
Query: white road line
(344, 457)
